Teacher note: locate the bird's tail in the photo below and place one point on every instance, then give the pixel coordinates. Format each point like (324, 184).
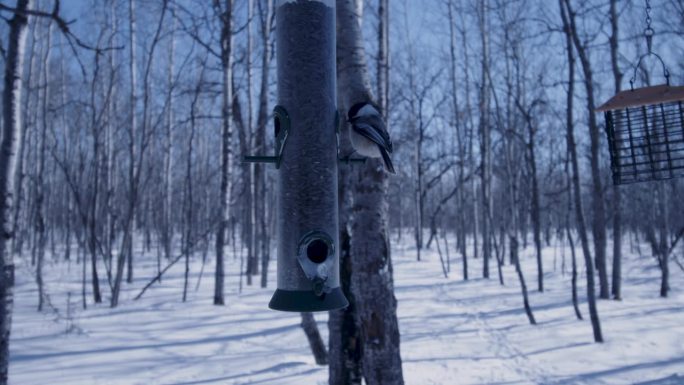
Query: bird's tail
(388, 161)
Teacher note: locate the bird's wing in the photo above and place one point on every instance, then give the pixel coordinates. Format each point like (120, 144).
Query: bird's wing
(364, 126)
(388, 161)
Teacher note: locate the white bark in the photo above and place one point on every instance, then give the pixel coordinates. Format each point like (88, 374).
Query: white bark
(226, 145)
(371, 283)
(167, 227)
(9, 149)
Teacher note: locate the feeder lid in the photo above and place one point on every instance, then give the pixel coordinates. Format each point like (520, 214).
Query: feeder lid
(642, 97)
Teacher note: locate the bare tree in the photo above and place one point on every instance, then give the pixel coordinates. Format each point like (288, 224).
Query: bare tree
(568, 26)
(225, 13)
(617, 195)
(485, 138)
(127, 249)
(167, 226)
(598, 206)
(40, 222)
(266, 16)
(136, 153)
(461, 139)
(372, 287)
(9, 150)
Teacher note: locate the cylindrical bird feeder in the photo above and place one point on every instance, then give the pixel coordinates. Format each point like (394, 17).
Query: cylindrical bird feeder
(307, 220)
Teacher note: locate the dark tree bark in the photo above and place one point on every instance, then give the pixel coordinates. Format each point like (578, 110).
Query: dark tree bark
(521, 278)
(314, 338)
(345, 342)
(575, 301)
(535, 210)
(568, 229)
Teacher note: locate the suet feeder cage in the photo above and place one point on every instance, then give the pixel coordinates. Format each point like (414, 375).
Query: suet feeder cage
(306, 158)
(645, 128)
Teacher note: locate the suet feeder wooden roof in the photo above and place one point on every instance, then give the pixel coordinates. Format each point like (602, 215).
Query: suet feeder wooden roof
(643, 96)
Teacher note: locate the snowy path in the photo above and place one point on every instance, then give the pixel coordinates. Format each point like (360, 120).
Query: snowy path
(453, 332)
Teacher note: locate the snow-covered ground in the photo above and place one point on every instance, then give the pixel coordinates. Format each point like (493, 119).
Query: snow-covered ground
(452, 332)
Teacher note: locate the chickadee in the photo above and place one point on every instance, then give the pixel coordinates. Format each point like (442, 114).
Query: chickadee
(369, 137)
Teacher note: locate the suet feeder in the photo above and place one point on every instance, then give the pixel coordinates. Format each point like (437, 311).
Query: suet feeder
(645, 126)
(306, 158)
(645, 129)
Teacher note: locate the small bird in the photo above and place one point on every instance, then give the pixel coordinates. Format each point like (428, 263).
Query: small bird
(368, 135)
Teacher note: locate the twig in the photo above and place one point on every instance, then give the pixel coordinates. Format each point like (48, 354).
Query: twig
(677, 238)
(63, 26)
(178, 258)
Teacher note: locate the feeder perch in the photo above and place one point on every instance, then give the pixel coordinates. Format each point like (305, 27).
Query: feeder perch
(281, 124)
(645, 128)
(307, 215)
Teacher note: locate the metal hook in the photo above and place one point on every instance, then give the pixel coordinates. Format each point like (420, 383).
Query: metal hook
(666, 73)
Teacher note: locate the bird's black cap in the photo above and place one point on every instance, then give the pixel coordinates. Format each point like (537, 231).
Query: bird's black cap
(358, 106)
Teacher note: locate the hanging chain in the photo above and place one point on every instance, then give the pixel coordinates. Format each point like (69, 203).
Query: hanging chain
(649, 32)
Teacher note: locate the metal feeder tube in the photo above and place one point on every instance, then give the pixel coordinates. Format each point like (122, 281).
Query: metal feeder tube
(307, 220)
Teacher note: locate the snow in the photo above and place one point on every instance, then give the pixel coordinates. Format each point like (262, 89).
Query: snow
(452, 332)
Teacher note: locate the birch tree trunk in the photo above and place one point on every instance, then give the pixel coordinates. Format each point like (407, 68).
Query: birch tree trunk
(109, 164)
(21, 187)
(566, 16)
(254, 255)
(460, 138)
(663, 239)
(531, 157)
(128, 248)
(485, 139)
(40, 223)
(91, 216)
(188, 182)
(226, 15)
(616, 290)
(470, 134)
(598, 223)
(9, 150)
(344, 342)
(536, 218)
(266, 16)
(345, 345)
(568, 229)
(137, 160)
(127, 241)
(167, 227)
(371, 282)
